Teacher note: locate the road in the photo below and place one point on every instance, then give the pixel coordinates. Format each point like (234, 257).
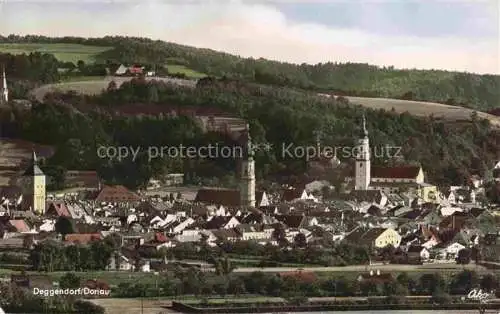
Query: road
(363, 268)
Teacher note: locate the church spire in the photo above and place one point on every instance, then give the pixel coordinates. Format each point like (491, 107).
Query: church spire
(33, 158)
(4, 91)
(365, 131)
(249, 145)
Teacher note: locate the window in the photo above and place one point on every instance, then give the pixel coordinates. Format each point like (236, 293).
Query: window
(361, 165)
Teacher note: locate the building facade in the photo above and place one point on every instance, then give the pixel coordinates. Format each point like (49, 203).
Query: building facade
(4, 90)
(247, 180)
(34, 187)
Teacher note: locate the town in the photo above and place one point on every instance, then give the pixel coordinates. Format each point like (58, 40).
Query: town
(383, 220)
(237, 165)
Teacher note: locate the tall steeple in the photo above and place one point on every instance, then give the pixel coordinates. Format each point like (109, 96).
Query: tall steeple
(34, 186)
(365, 131)
(247, 183)
(363, 165)
(4, 90)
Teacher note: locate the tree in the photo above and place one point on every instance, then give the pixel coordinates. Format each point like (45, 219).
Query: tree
(441, 297)
(464, 256)
(429, 283)
(81, 65)
(69, 280)
(279, 234)
(223, 267)
(112, 86)
(300, 240)
(489, 282)
(64, 226)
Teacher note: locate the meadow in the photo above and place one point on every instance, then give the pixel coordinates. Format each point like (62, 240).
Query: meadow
(181, 69)
(63, 52)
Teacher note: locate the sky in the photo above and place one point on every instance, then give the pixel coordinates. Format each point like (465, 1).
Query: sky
(427, 34)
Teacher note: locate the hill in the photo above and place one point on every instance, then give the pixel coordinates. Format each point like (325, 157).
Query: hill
(416, 108)
(63, 52)
(14, 155)
(480, 92)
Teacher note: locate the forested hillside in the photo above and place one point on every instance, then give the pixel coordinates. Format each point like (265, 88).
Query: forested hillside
(476, 91)
(449, 153)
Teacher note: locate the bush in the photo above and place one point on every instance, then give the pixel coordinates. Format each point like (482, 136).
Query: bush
(441, 297)
(86, 307)
(69, 280)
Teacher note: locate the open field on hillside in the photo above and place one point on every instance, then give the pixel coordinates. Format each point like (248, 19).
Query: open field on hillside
(173, 68)
(14, 154)
(63, 52)
(95, 86)
(420, 108)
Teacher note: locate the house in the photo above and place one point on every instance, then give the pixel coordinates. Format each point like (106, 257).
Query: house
(82, 238)
(450, 252)
(418, 252)
(296, 194)
(57, 209)
(292, 221)
(220, 222)
(20, 225)
(122, 70)
(251, 232)
(48, 225)
(230, 235)
(227, 197)
(375, 237)
(87, 180)
(120, 262)
(376, 197)
(375, 277)
(135, 70)
(117, 193)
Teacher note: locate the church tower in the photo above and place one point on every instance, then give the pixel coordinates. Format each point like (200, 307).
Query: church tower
(4, 91)
(247, 180)
(362, 167)
(34, 186)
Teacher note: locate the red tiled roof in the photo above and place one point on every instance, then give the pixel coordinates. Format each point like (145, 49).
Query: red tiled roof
(82, 238)
(117, 193)
(59, 207)
(20, 225)
(160, 237)
(218, 197)
(401, 172)
(135, 70)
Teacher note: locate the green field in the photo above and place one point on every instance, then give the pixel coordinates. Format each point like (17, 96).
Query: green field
(63, 52)
(82, 78)
(174, 68)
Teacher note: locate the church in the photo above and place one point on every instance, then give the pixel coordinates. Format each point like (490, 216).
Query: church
(33, 185)
(399, 179)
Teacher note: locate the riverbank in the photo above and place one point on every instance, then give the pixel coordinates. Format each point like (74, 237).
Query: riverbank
(318, 307)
